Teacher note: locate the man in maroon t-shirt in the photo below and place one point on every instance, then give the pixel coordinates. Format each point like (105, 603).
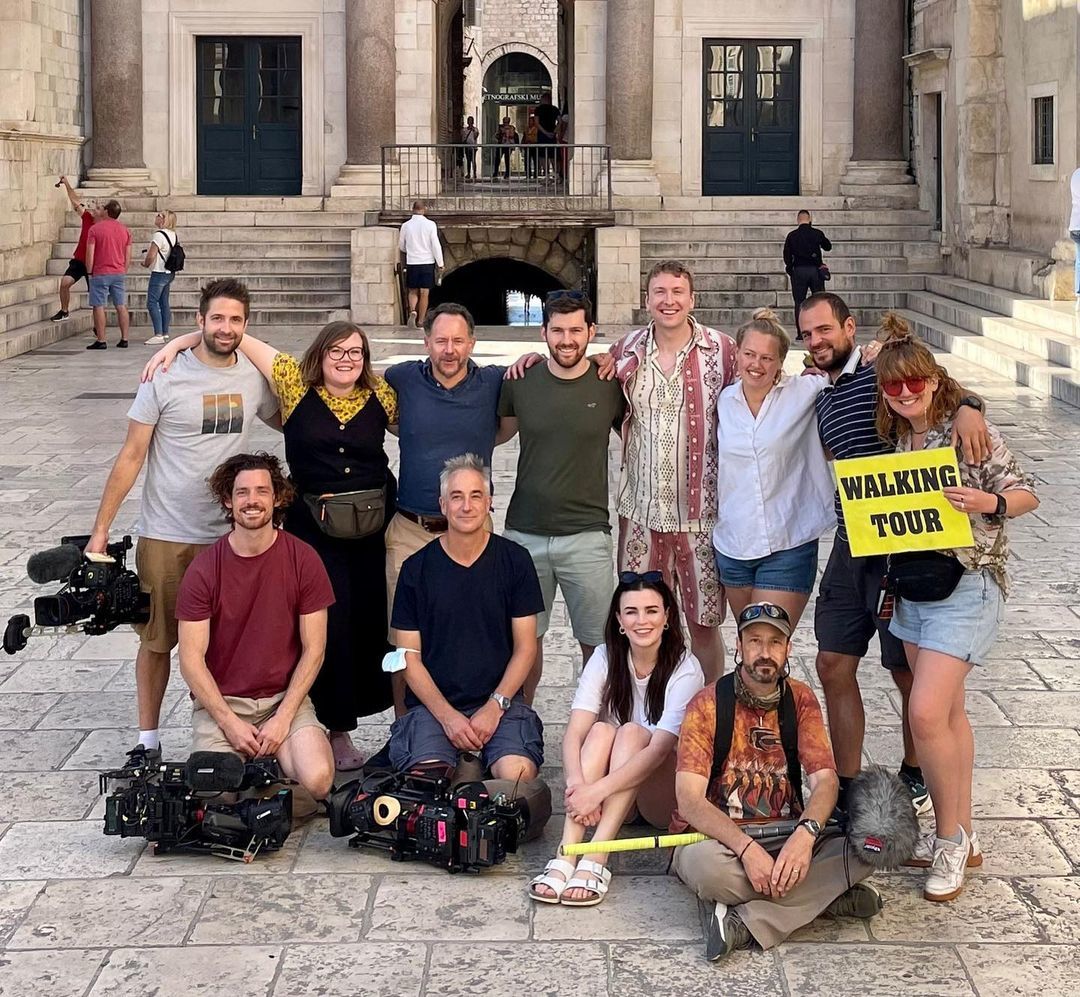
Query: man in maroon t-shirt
(90, 212)
(108, 256)
(252, 613)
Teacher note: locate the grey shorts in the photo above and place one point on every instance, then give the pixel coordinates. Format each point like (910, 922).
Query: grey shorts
(419, 737)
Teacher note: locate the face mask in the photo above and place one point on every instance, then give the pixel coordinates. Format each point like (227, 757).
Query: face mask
(394, 661)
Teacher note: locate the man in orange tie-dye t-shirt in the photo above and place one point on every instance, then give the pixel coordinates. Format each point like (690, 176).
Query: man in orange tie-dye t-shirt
(750, 891)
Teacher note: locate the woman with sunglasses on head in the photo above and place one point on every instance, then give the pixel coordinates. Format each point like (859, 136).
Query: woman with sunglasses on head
(774, 487)
(335, 411)
(619, 747)
(945, 638)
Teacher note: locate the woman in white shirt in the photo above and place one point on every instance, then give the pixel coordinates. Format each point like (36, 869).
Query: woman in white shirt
(619, 747)
(774, 487)
(157, 290)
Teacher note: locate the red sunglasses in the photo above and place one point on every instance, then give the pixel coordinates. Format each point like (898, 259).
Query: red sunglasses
(915, 386)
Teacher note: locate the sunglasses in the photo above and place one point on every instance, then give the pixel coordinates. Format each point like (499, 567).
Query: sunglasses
(568, 295)
(760, 609)
(632, 577)
(915, 385)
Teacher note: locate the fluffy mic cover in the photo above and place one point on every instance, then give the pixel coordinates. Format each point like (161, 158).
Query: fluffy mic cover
(882, 827)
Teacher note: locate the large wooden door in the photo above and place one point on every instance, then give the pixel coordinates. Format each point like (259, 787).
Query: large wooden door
(249, 97)
(750, 127)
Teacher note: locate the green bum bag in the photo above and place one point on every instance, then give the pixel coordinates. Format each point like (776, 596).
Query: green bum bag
(349, 515)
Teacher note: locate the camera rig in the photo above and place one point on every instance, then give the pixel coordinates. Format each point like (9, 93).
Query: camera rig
(99, 593)
(416, 816)
(172, 804)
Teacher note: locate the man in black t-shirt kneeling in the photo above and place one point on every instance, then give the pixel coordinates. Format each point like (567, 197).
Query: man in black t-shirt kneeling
(465, 614)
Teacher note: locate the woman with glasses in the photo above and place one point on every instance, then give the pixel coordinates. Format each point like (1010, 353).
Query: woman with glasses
(946, 637)
(335, 411)
(619, 747)
(774, 487)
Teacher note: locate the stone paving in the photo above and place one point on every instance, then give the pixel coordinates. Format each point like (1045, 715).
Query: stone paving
(84, 914)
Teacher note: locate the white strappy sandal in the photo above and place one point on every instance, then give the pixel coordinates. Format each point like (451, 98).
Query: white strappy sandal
(553, 883)
(596, 883)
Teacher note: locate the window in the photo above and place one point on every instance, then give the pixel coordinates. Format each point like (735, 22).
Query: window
(1042, 118)
(473, 11)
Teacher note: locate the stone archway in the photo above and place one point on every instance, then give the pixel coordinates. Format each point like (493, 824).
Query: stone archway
(558, 252)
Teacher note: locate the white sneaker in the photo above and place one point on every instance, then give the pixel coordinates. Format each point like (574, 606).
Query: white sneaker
(946, 878)
(923, 856)
(156, 340)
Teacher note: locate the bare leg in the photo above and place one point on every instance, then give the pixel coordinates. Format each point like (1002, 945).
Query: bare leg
(346, 754)
(708, 647)
(151, 681)
(123, 318)
(414, 294)
(514, 767)
(65, 293)
(421, 309)
(305, 756)
(902, 679)
(793, 602)
(99, 323)
(738, 599)
(847, 721)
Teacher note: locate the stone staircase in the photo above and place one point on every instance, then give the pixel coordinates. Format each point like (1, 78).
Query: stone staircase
(736, 253)
(294, 254)
(1032, 341)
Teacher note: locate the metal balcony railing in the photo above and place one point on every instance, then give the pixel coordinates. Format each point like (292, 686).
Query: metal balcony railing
(555, 180)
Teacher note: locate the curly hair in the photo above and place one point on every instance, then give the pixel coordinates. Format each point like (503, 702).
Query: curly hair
(904, 355)
(224, 476)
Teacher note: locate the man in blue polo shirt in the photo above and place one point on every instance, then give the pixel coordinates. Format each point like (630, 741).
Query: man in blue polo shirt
(846, 614)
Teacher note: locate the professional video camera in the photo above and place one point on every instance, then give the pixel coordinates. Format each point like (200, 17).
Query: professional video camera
(99, 593)
(171, 804)
(416, 816)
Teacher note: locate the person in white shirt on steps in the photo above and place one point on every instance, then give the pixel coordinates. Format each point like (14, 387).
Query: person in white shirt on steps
(419, 242)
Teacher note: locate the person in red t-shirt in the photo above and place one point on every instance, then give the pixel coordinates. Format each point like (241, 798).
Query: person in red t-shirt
(90, 212)
(750, 891)
(108, 257)
(252, 620)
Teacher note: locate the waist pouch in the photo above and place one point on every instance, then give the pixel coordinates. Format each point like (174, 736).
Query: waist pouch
(923, 576)
(349, 515)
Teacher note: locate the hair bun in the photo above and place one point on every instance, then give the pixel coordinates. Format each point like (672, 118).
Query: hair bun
(894, 330)
(765, 314)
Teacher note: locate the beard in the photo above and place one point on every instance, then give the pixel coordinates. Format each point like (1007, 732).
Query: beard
(212, 345)
(253, 519)
(567, 362)
(763, 669)
(838, 361)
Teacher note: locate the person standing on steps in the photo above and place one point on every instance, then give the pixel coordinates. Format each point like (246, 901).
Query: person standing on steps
(157, 290)
(108, 257)
(89, 212)
(470, 135)
(419, 245)
(803, 262)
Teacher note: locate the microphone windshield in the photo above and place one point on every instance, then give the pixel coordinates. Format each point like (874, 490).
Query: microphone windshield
(214, 771)
(53, 565)
(882, 826)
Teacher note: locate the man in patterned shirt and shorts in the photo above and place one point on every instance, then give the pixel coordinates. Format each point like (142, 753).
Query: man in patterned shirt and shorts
(672, 373)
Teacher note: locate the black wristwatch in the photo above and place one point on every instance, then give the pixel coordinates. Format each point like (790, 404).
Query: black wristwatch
(811, 825)
(1000, 512)
(973, 401)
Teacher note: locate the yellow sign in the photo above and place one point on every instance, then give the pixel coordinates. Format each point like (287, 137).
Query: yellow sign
(895, 502)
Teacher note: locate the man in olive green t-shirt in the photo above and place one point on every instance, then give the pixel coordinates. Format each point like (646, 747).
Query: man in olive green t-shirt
(559, 510)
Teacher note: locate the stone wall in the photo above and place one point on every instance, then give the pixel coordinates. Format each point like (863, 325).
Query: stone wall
(618, 274)
(41, 132)
(519, 25)
(555, 251)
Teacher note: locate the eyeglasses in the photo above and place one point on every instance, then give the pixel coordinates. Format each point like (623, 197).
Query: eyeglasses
(356, 354)
(632, 577)
(569, 295)
(915, 386)
(760, 609)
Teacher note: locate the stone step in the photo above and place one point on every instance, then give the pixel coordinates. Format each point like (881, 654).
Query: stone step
(824, 219)
(729, 319)
(240, 233)
(13, 317)
(254, 219)
(262, 317)
(882, 300)
(15, 292)
(852, 265)
(791, 204)
(1062, 383)
(692, 248)
(205, 267)
(838, 234)
(778, 281)
(243, 249)
(185, 283)
(34, 335)
(207, 202)
(1059, 316)
(273, 299)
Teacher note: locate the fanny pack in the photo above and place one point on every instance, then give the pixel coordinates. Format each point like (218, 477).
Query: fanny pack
(349, 515)
(923, 576)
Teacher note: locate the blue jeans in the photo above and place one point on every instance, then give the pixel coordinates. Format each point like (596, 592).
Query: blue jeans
(1076, 271)
(157, 301)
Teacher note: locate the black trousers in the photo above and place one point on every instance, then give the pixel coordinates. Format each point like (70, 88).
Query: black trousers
(500, 152)
(805, 280)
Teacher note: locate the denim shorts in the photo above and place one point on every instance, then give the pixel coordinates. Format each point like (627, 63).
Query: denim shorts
(108, 286)
(418, 737)
(963, 626)
(782, 571)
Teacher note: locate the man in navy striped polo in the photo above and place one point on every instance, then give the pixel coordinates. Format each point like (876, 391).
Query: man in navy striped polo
(846, 615)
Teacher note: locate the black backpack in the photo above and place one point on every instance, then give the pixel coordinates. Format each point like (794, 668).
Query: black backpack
(725, 725)
(174, 262)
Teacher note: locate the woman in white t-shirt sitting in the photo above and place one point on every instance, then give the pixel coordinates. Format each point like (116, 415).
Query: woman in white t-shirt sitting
(157, 291)
(619, 747)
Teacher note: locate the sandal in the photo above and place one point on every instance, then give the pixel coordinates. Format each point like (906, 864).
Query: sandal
(553, 883)
(596, 883)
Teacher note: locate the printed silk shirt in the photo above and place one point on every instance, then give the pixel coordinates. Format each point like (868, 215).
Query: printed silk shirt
(669, 443)
(998, 473)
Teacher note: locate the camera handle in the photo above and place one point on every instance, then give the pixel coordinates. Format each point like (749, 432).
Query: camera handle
(19, 630)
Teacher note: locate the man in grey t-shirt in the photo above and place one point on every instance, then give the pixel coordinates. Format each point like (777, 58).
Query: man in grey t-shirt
(182, 425)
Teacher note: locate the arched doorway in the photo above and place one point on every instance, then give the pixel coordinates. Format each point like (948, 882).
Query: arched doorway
(512, 84)
(484, 287)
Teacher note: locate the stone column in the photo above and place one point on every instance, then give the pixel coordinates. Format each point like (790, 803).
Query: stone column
(630, 97)
(370, 98)
(877, 154)
(116, 80)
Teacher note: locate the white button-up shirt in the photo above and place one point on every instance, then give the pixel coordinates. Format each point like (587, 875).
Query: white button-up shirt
(419, 241)
(774, 487)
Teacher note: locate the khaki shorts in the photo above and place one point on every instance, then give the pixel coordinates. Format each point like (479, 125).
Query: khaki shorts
(160, 565)
(206, 735)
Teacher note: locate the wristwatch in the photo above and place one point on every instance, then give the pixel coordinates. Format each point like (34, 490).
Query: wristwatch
(503, 701)
(973, 401)
(1000, 511)
(811, 825)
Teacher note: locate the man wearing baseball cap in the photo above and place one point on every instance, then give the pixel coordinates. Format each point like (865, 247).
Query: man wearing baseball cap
(742, 747)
